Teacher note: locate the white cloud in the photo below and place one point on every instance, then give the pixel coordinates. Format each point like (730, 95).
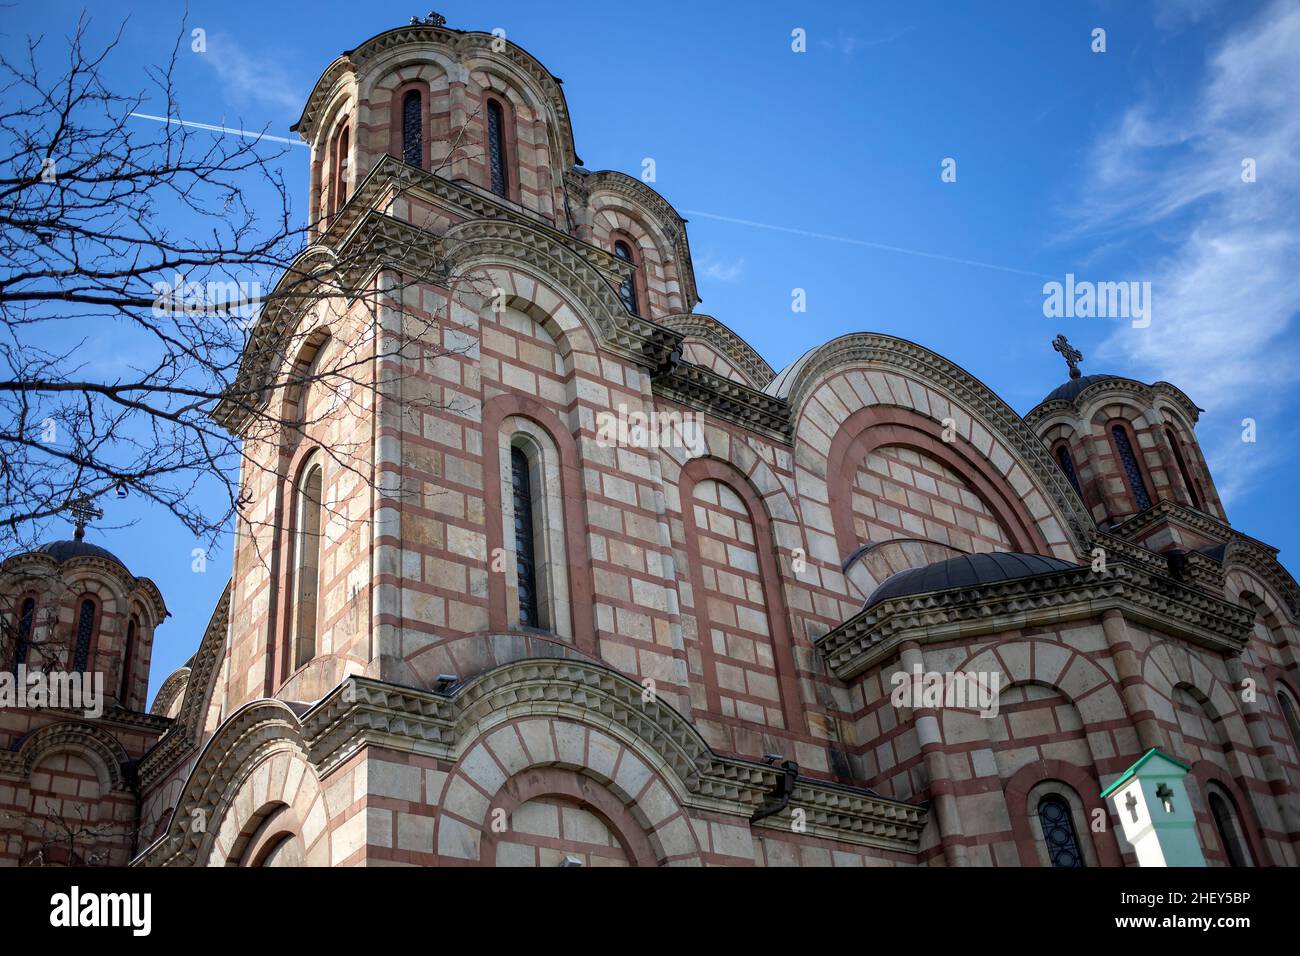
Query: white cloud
(723, 271)
(250, 79)
(1226, 287)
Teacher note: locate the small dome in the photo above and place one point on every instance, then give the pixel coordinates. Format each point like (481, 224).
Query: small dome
(62, 551)
(966, 571)
(1074, 386)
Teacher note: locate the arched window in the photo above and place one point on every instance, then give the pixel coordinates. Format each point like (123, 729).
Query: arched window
(1067, 465)
(340, 185)
(525, 531)
(627, 288)
(533, 530)
(306, 565)
(413, 128)
(1182, 468)
(497, 164)
(85, 636)
(26, 624)
(128, 654)
(1132, 472)
(1058, 831)
(1290, 718)
(1229, 830)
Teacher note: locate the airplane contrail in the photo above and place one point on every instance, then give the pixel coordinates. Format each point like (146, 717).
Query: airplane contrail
(218, 129)
(863, 242)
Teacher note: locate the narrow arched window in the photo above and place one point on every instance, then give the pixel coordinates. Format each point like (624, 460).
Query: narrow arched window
(306, 565)
(1058, 831)
(128, 654)
(627, 288)
(1182, 468)
(1067, 465)
(1132, 472)
(497, 166)
(1225, 822)
(341, 146)
(85, 636)
(522, 492)
(26, 625)
(1290, 718)
(413, 128)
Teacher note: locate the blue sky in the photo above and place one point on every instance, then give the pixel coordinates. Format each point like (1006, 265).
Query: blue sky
(1122, 165)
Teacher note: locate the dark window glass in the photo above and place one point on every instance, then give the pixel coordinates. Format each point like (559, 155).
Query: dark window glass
(1225, 823)
(1131, 470)
(26, 624)
(340, 171)
(1182, 468)
(523, 501)
(308, 565)
(412, 129)
(132, 630)
(1292, 721)
(627, 289)
(1058, 832)
(497, 148)
(1067, 466)
(85, 633)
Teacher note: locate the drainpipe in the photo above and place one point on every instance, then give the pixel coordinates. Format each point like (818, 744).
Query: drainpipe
(779, 798)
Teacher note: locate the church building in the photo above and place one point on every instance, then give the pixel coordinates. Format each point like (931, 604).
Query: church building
(539, 566)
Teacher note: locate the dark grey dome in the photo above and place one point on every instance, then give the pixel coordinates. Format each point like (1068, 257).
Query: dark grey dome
(965, 571)
(1074, 386)
(62, 551)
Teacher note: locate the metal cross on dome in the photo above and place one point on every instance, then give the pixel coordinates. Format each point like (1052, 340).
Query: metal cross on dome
(1071, 355)
(83, 511)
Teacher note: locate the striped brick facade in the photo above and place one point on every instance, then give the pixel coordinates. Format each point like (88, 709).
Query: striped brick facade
(704, 607)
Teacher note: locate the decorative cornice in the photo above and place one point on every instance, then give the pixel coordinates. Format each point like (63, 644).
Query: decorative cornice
(363, 712)
(1117, 385)
(735, 350)
(167, 693)
(187, 729)
(80, 735)
(873, 635)
(698, 387)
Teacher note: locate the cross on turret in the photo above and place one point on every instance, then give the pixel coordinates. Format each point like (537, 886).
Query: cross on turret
(83, 511)
(1071, 355)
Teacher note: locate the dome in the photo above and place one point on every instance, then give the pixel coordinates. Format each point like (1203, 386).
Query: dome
(1067, 391)
(966, 571)
(62, 551)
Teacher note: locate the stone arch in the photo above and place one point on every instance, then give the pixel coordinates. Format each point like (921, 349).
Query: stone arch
(1056, 665)
(583, 296)
(586, 793)
(219, 786)
(1208, 775)
(875, 427)
(513, 759)
(1021, 787)
(778, 619)
(97, 747)
(279, 787)
(884, 370)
